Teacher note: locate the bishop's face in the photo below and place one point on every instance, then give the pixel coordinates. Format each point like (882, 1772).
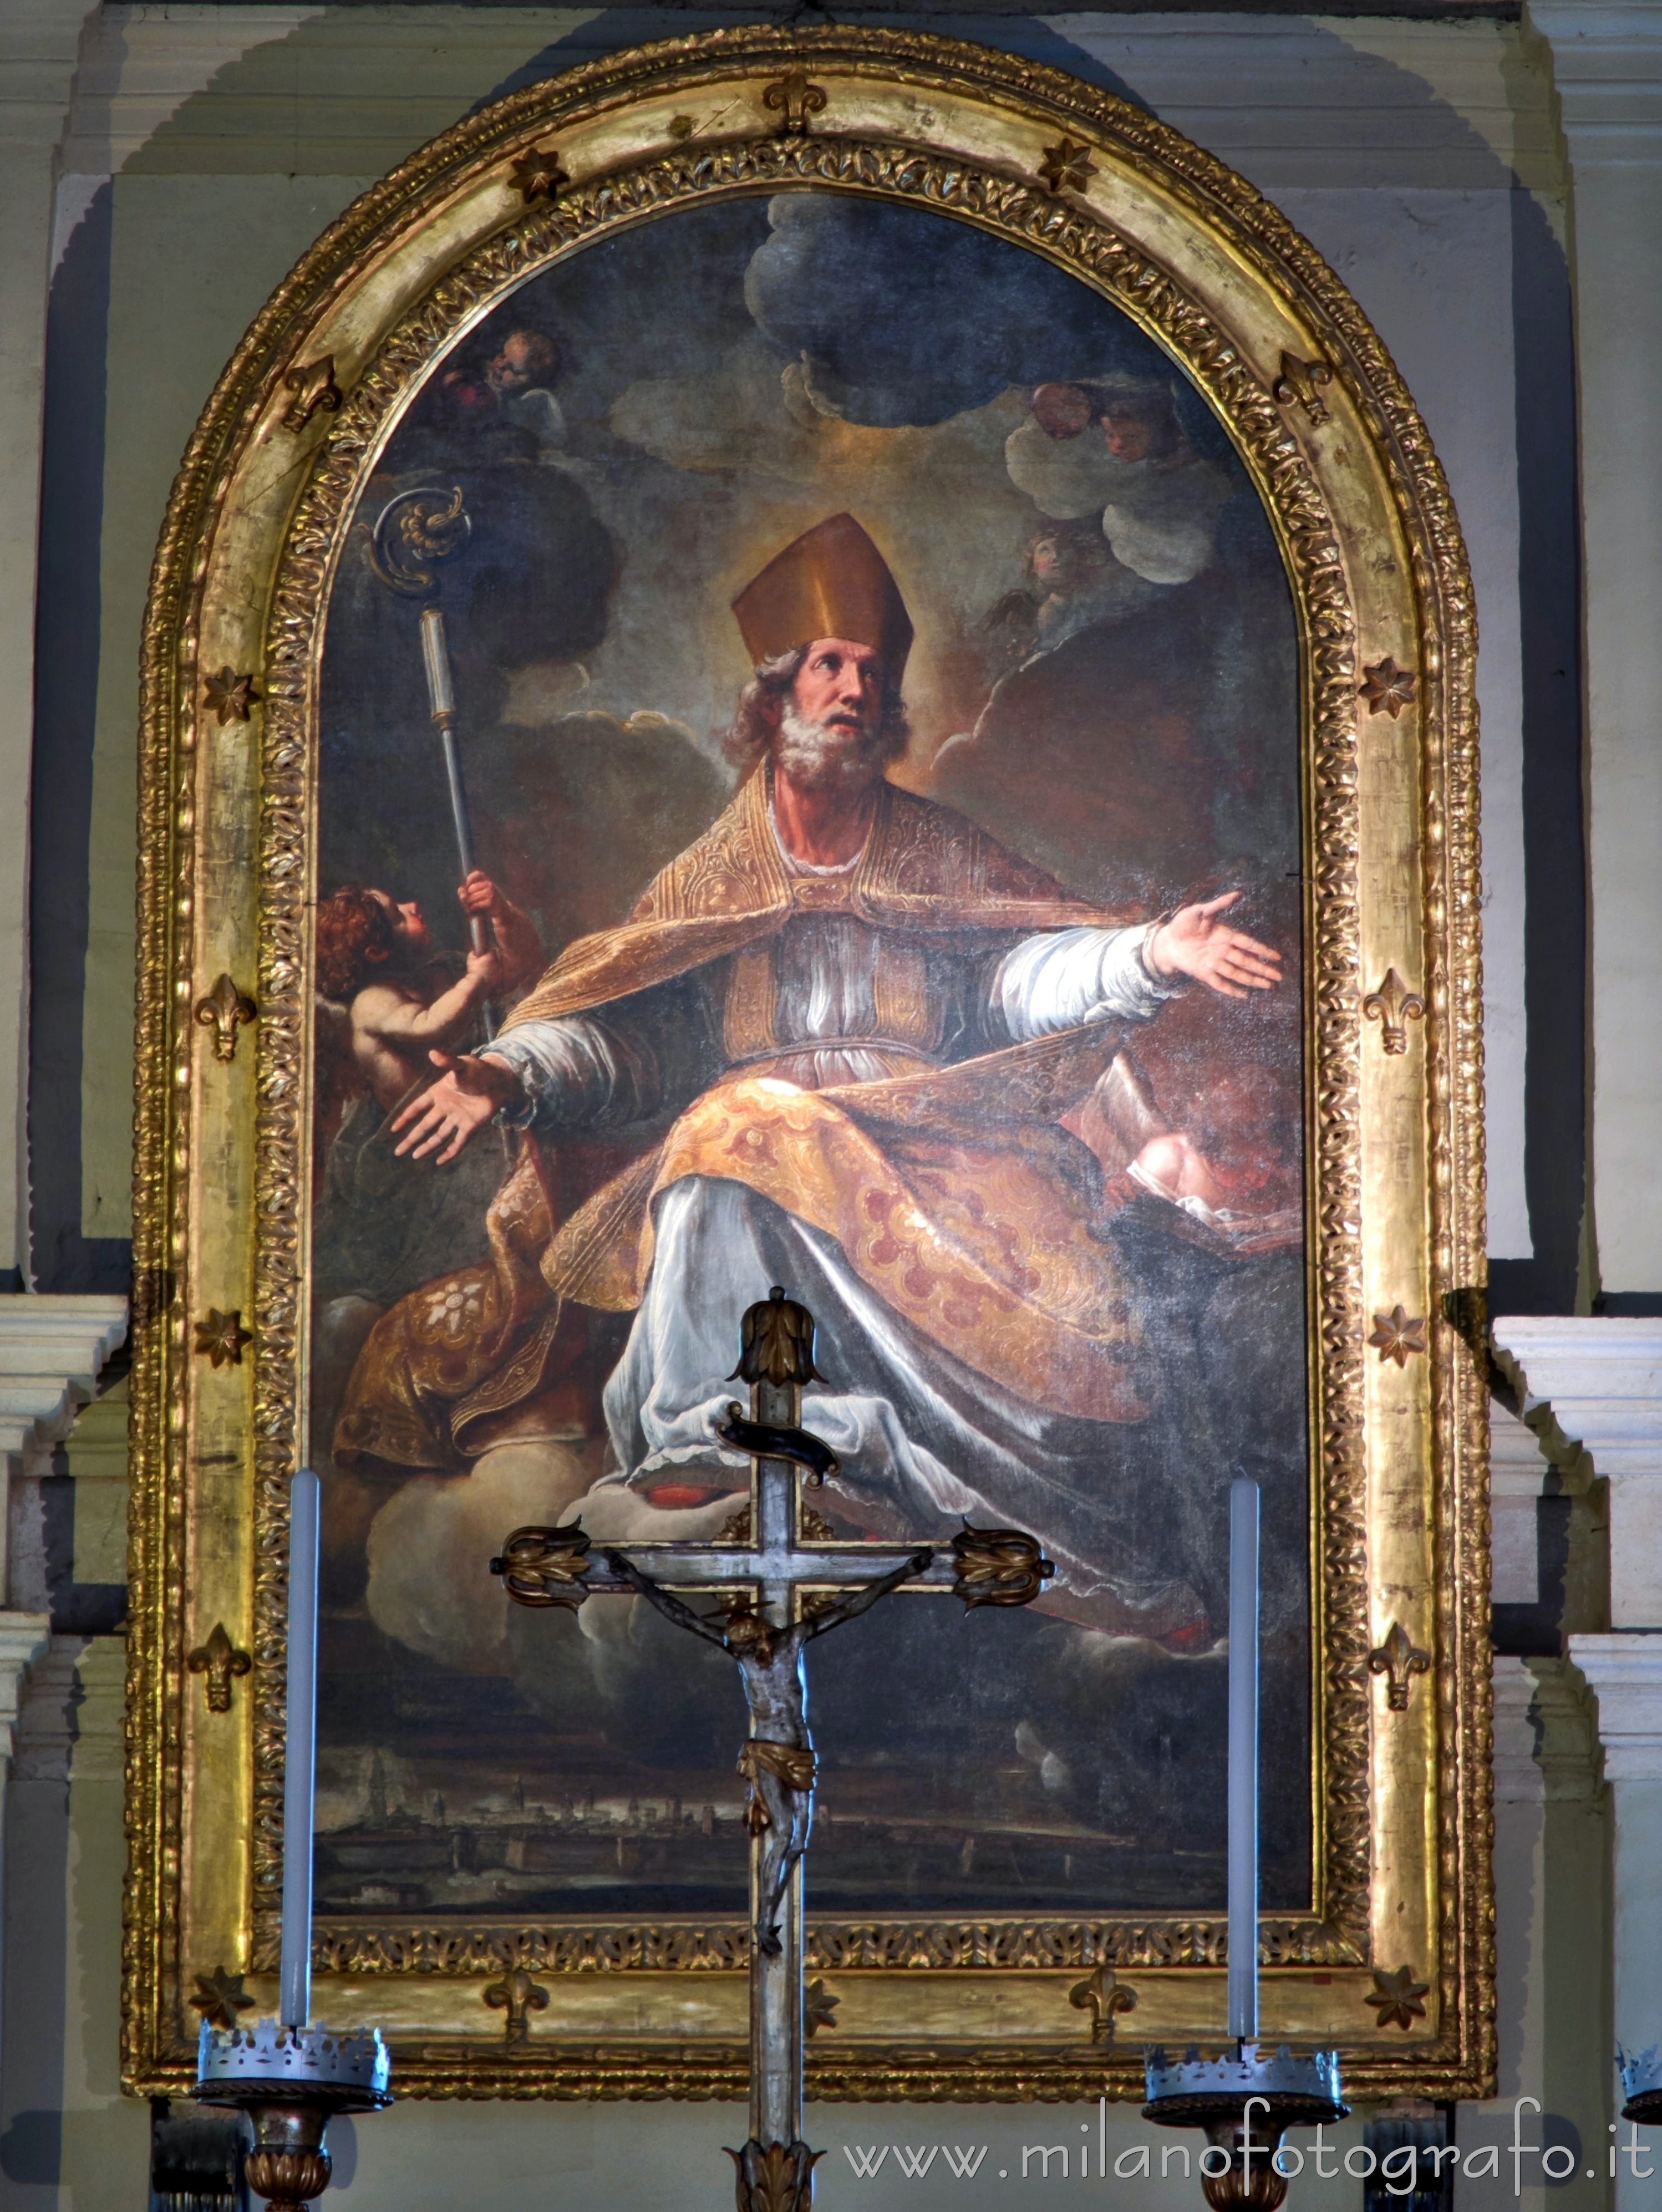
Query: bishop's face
(830, 730)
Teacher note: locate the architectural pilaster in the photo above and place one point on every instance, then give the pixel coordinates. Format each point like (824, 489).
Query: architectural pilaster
(65, 1854)
(1625, 1674)
(51, 1352)
(1607, 69)
(1550, 1897)
(23, 1640)
(37, 74)
(1521, 1474)
(1592, 1390)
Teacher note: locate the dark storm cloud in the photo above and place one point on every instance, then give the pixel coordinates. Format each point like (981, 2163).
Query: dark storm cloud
(667, 300)
(907, 317)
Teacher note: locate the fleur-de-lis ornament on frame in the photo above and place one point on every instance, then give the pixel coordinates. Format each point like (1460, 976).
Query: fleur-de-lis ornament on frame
(315, 392)
(225, 1010)
(1300, 383)
(1400, 1658)
(1103, 1995)
(794, 100)
(220, 1662)
(519, 1996)
(1393, 1006)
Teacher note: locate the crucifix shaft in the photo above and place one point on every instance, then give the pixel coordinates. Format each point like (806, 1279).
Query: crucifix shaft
(783, 1584)
(775, 1976)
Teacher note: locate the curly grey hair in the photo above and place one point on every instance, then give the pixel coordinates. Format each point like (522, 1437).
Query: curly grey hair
(756, 718)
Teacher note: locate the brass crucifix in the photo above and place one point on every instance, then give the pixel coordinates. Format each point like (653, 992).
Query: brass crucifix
(784, 1585)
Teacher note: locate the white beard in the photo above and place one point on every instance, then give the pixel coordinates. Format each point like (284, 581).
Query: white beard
(817, 757)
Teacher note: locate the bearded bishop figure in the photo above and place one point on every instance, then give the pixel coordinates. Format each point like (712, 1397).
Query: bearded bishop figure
(832, 1049)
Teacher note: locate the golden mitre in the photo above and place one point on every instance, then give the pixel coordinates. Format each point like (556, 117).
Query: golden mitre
(830, 582)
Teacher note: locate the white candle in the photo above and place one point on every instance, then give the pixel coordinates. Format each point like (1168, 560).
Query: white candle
(1243, 1759)
(300, 1756)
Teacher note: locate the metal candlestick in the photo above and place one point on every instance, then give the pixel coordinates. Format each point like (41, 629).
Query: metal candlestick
(292, 2078)
(291, 2082)
(1246, 2103)
(1641, 2084)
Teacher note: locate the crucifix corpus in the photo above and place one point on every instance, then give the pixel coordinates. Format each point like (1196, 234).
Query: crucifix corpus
(785, 1580)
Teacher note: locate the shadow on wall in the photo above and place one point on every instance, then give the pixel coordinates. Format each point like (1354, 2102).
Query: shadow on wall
(1555, 884)
(67, 622)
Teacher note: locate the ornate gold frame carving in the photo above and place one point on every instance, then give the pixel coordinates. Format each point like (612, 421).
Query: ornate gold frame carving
(258, 515)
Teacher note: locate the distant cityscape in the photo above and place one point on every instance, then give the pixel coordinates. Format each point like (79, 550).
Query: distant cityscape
(386, 1847)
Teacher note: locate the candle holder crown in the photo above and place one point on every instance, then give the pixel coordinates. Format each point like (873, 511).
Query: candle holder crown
(268, 2053)
(1244, 2103)
(1245, 2072)
(1641, 2083)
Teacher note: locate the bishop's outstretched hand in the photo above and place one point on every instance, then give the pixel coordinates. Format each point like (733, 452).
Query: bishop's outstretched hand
(472, 1089)
(1197, 943)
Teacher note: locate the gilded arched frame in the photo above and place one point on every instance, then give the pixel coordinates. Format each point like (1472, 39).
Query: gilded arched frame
(1312, 405)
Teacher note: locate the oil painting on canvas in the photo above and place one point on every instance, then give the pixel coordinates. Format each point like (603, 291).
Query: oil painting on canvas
(876, 699)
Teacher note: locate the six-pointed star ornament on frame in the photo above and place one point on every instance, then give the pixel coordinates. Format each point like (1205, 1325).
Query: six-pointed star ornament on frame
(538, 174)
(229, 696)
(1388, 689)
(1397, 1333)
(219, 1997)
(221, 1336)
(1066, 166)
(1400, 1999)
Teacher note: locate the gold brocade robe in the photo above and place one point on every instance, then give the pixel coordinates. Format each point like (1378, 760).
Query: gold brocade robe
(948, 1183)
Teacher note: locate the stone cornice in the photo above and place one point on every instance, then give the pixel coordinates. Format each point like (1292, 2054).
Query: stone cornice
(69, 1722)
(1373, 103)
(51, 1350)
(1546, 1735)
(1518, 1779)
(1595, 1383)
(1521, 1473)
(1607, 70)
(37, 71)
(1625, 1674)
(23, 1637)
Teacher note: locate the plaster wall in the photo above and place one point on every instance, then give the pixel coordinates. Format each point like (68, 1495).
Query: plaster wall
(69, 2142)
(205, 150)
